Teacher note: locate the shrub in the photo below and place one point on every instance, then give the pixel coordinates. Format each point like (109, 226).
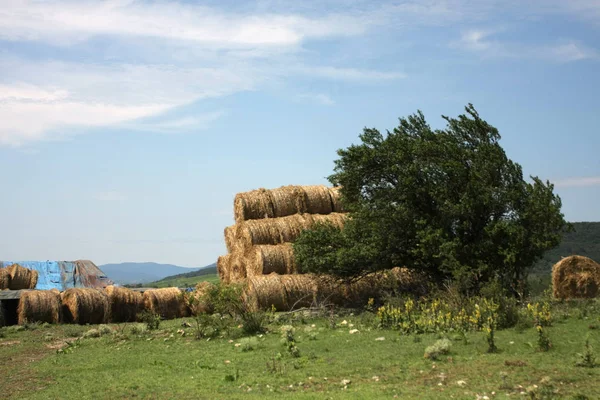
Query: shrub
(138, 329)
(249, 344)
(437, 349)
(151, 319)
(105, 329)
(543, 340)
(587, 358)
(92, 333)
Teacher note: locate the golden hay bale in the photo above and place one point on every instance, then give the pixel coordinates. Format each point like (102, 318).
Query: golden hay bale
(265, 291)
(237, 267)
(231, 241)
(198, 298)
(85, 306)
(288, 200)
(300, 290)
(335, 219)
(39, 306)
(22, 278)
(169, 303)
(318, 199)
(264, 259)
(125, 304)
(4, 278)
(576, 277)
(224, 268)
(255, 204)
(336, 203)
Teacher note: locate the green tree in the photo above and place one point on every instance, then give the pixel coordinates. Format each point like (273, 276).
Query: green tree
(446, 202)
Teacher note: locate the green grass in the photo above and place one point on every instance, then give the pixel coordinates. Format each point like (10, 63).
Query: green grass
(163, 364)
(184, 281)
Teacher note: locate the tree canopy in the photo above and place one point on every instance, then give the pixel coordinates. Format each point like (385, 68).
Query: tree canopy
(446, 202)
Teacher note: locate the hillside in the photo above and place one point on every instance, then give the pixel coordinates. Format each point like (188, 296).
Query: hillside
(583, 241)
(188, 279)
(131, 273)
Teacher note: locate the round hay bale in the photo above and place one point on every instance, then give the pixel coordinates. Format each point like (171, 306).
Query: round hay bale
(169, 303)
(576, 277)
(4, 278)
(237, 267)
(335, 219)
(265, 291)
(255, 204)
(336, 202)
(330, 290)
(318, 200)
(289, 200)
(300, 290)
(199, 302)
(224, 268)
(22, 278)
(125, 304)
(39, 306)
(85, 306)
(264, 259)
(231, 240)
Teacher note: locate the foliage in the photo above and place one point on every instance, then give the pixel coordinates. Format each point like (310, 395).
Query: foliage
(150, 318)
(437, 349)
(445, 202)
(289, 340)
(587, 358)
(490, 333)
(543, 341)
(540, 313)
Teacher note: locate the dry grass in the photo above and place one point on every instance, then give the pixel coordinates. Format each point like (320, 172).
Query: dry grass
(22, 278)
(198, 301)
(39, 306)
(169, 303)
(576, 277)
(4, 278)
(85, 306)
(125, 304)
(265, 259)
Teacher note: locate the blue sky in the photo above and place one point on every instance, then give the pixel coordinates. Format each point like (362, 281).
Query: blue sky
(127, 127)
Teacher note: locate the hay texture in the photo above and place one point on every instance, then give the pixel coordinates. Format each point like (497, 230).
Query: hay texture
(300, 290)
(125, 304)
(224, 268)
(284, 201)
(281, 230)
(336, 202)
(169, 303)
(237, 267)
(231, 241)
(4, 278)
(199, 301)
(39, 306)
(22, 278)
(264, 292)
(576, 277)
(85, 306)
(265, 259)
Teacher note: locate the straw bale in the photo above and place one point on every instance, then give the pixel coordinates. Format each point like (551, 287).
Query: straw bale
(265, 291)
(169, 303)
(336, 203)
(22, 278)
(255, 204)
(336, 219)
(237, 267)
(200, 302)
(231, 240)
(85, 306)
(224, 268)
(4, 278)
(300, 290)
(576, 277)
(125, 304)
(318, 199)
(289, 200)
(329, 290)
(264, 259)
(39, 306)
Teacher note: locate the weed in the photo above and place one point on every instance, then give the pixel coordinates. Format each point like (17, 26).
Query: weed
(92, 333)
(72, 331)
(587, 358)
(232, 377)
(490, 330)
(440, 347)
(543, 341)
(151, 319)
(105, 330)
(138, 329)
(249, 344)
(289, 340)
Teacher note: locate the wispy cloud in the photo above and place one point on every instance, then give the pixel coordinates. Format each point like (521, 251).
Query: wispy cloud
(578, 182)
(319, 98)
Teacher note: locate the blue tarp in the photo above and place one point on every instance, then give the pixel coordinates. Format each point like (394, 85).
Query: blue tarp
(62, 275)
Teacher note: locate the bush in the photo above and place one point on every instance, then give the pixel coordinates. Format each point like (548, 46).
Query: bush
(105, 329)
(138, 329)
(249, 344)
(92, 333)
(151, 319)
(437, 349)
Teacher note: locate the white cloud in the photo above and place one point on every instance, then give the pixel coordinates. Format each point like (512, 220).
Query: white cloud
(568, 52)
(349, 74)
(578, 182)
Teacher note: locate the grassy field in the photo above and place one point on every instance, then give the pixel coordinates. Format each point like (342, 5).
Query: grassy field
(184, 281)
(128, 361)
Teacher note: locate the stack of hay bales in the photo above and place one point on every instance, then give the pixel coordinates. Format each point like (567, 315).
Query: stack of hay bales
(267, 222)
(4, 279)
(15, 277)
(39, 306)
(576, 277)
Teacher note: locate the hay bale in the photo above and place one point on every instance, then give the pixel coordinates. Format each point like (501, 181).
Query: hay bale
(169, 303)
(265, 291)
(576, 277)
(264, 259)
(231, 241)
(22, 278)
(199, 301)
(300, 290)
(39, 306)
(237, 267)
(281, 230)
(4, 278)
(85, 306)
(125, 304)
(255, 204)
(318, 199)
(336, 202)
(224, 268)
(289, 200)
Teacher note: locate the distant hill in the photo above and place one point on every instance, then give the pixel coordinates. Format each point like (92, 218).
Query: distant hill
(188, 279)
(584, 241)
(128, 273)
